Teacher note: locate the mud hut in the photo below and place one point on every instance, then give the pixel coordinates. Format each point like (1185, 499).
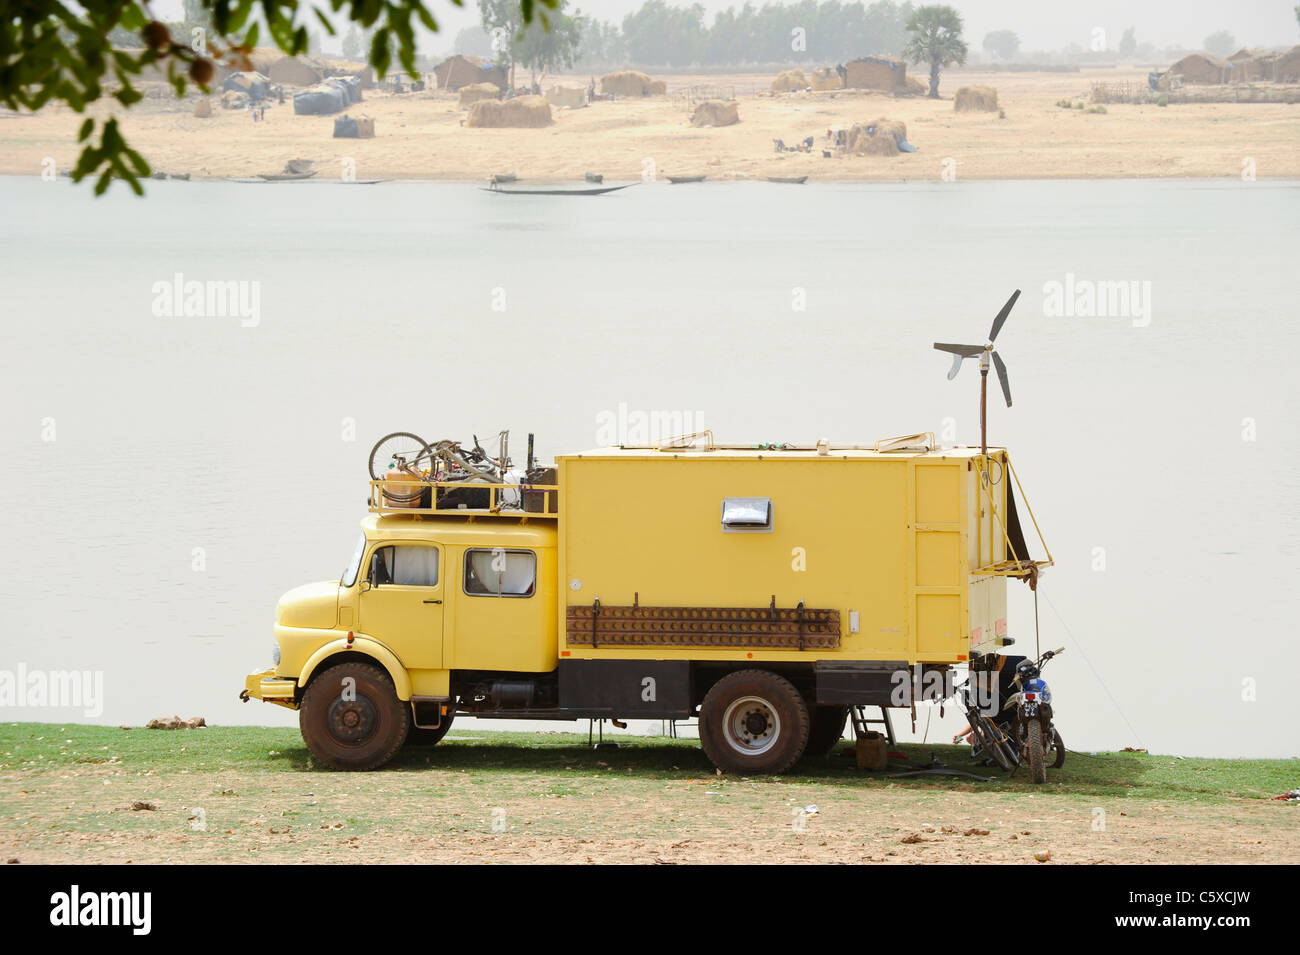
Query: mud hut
(1252, 66)
(790, 80)
(975, 99)
(567, 97)
(884, 137)
(715, 112)
(457, 71)
(295, 71)
(469, 95)
(1202, 68)
(876, 73)
(1286, 68)
(522, 112)
(827, 78)
(631, 83)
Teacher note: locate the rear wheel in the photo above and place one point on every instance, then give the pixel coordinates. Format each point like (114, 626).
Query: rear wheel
(1037, 757)
(399, 447)
(754, 721)
(429, 737)
(351, 718)
(826, 728)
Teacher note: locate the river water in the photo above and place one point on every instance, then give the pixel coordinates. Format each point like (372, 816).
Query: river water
(167, 476)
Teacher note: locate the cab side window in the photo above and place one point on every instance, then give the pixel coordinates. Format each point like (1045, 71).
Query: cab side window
(497, 572)
(410, 565)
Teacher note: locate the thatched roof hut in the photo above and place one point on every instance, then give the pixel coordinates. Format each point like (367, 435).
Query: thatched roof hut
(522, 112)
(295, 71)
(715, 112)
(790, 80)
(457, 71)
(975, 99)
(1286, 68)
(631, 83)
(884, 137)
(876, 73)
(1202, 68)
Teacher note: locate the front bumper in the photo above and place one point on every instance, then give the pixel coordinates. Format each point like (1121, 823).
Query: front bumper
(264, 685)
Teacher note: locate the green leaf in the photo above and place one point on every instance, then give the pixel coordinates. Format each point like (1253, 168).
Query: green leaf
(87, 128)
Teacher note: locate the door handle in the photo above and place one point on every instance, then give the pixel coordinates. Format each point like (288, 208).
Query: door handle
(433, 601)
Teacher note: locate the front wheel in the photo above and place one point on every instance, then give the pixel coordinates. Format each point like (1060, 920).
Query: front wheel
(1058, 746)
(754, 721)
(1037, 757)
(351, 718)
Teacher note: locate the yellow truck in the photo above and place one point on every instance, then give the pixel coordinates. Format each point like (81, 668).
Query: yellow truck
(765, 590)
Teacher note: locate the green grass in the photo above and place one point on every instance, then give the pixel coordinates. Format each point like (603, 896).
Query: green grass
(567, 766)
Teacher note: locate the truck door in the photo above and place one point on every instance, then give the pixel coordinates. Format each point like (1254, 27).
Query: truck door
(402, 605)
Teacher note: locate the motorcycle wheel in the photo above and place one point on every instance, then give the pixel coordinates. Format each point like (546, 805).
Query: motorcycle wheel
(1058, 745)
(1037, 758)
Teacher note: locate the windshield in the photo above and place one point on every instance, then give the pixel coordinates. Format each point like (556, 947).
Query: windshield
(354, 565)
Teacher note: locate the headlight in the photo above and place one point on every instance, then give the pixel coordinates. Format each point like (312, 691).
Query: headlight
(275, 653)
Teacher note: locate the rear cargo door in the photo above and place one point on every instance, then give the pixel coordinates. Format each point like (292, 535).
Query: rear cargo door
(936, 569)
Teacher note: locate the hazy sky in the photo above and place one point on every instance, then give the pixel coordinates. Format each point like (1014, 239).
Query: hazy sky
(1040, 25)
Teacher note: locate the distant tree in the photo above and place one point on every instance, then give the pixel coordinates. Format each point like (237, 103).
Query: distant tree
(1220, 42)
(473, 41)
(1128, 43)
(936, 39)
(352, 43)
(1004, 44)
(549, 43)
(664, 36)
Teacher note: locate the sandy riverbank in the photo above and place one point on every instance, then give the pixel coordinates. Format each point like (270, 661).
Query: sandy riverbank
(420, 136)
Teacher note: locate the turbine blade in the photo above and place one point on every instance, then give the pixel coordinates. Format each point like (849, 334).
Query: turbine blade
(1001, 367)
(1002, 316)
(956, 366)
(966, 351)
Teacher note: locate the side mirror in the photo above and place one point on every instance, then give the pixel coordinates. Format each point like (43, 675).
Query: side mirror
(377, 569)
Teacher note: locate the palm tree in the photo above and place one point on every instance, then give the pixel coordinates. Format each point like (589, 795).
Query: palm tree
(936, 39)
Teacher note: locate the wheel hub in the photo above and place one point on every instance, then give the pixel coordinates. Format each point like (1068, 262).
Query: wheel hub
(352, 721)
(751, 725)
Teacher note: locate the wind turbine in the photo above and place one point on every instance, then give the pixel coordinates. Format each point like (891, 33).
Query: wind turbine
(985, 353)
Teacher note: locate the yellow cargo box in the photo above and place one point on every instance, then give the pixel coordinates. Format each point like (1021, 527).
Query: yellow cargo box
(694, 553)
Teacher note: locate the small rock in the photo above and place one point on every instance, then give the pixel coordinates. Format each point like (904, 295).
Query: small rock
(13, 861)
(143, 806)
(976, 832)
(176, 723)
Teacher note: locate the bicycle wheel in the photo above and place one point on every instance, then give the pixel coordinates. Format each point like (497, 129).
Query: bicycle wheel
(410, 448)
(993, 744)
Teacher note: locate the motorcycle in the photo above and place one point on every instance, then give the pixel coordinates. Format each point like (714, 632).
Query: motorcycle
(1031, 724)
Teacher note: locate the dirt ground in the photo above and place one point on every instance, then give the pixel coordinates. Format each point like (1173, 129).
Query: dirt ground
(471, 800)
(420, 136)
